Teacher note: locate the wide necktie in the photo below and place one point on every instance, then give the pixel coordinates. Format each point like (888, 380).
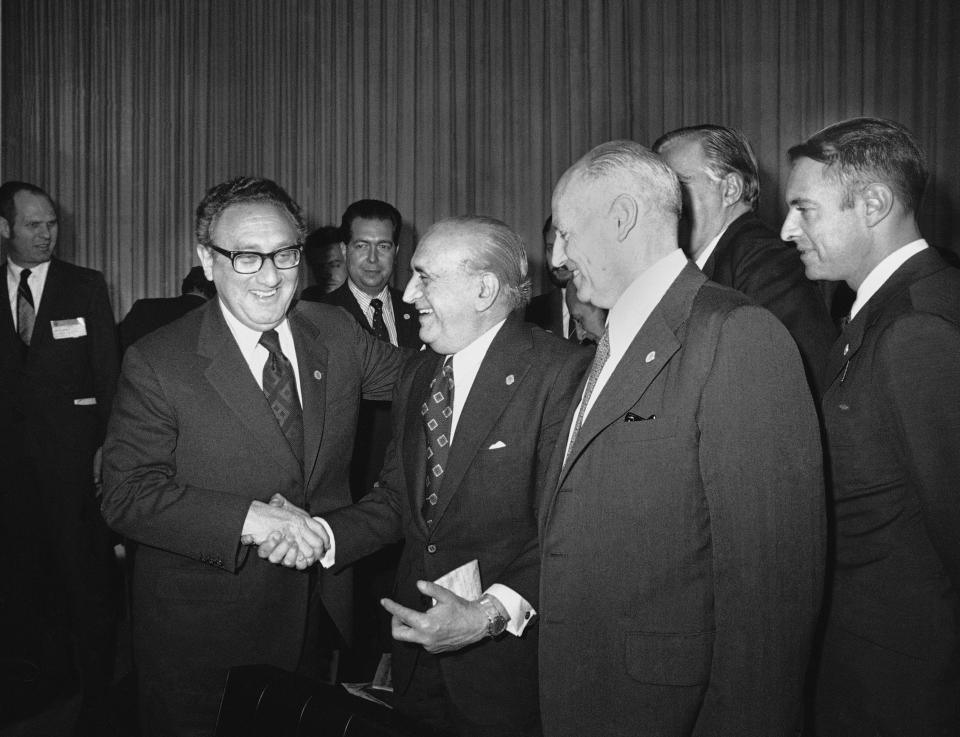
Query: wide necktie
(437, 411)
(280, 386)
(26, 314)
(379, 326)
(599, 359)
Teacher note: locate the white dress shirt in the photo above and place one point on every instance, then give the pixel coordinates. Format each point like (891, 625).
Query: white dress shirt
(629, 314)
(884, 270)
(466, 365)
(36, 282)
(708, 251)
(363, 299)
(248, 340)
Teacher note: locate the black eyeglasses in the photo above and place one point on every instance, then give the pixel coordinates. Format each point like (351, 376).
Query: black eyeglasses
(250, 262)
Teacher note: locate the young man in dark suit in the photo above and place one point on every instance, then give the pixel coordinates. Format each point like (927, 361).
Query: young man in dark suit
(58, 372)
(721, 190)
(890, 662)
(682, 525)
(241, 399)
(475, 418)
(369, 240)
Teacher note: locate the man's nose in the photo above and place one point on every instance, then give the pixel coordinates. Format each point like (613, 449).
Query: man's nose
(789, 230)
(412, 292)
(372, 254)
(558, 256)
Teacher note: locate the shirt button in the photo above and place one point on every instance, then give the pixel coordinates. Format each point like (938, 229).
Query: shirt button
(431, 549)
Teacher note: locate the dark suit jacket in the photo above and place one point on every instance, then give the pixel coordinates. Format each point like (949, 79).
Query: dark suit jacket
(487, 509)
(39, 393)
(683, 541)
(752, 259)
(54, 403)
(546, 310)
(373, 424)
(892, 415)
(147, 315)
(192, 441)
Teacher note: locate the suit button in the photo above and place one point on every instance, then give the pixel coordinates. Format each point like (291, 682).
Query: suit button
(431, 548)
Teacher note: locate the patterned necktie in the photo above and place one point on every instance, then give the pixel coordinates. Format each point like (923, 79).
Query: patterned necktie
(25, 311)
(379, 326)
(437, 413)
(280, 386)
(599, 359)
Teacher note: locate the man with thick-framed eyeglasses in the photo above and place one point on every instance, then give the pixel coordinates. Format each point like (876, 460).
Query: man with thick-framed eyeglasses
(217, 413)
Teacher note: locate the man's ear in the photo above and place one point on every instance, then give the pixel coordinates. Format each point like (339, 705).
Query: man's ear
(878, 201)
(732, 188)
(206, 261)
(489, 291)
(4, 228)
(625, 210)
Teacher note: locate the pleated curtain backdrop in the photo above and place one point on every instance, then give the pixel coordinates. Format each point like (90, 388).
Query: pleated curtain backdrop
(126, 111)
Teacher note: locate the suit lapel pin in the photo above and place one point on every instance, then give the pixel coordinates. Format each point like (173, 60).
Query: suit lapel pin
(509, 379)
(650, 356)
(317, 375)
(406, 315)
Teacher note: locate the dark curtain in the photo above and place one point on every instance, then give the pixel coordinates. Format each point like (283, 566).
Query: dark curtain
(127, 110)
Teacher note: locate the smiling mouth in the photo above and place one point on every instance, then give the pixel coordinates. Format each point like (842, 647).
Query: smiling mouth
(264, 293)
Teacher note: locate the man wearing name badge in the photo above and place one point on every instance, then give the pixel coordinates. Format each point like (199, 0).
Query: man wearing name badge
(238, 401)
(59, 364)
(890, 660)
(682, 526)
(475, 418)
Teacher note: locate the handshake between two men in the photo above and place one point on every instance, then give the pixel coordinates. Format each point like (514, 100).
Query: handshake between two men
(287, 535)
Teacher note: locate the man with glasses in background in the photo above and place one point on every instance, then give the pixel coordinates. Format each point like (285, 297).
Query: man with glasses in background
(215, 414)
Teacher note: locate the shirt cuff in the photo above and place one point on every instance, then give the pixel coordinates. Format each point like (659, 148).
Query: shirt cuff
(329, 558)
(517, 608)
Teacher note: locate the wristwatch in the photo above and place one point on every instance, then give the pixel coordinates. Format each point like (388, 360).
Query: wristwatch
(497, 623)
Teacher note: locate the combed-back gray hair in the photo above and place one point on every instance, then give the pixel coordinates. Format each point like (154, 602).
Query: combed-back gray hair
(637, 170)
(727, 151)
(498, 249)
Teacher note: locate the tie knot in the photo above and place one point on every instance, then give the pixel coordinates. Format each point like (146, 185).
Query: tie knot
(24, 275)
(271, 341)
(376, 304)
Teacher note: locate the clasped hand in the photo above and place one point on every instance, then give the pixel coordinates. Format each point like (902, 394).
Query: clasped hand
(450, 624)
(284, 534)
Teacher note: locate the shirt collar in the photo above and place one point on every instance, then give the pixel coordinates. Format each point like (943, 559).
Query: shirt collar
(711, 246)
(247, 338)
(639, 299)
(880, 273)
(40, 270)
(363, 299)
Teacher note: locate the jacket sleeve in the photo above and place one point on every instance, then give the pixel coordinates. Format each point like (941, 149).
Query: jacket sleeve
(761, 464)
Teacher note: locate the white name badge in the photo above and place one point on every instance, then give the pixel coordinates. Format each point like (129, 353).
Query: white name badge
(73, 328)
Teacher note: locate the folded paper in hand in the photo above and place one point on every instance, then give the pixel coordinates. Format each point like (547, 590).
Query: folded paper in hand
(463, 581)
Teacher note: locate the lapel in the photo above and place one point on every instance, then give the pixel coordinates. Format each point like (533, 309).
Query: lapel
(658, 341)
(53, 288)
(730, 234)
(490, 395)
(852, 336)
(229, 375)
(343, 297)
(414, 438)
(406, 321)
(9, 329)
(312, 365)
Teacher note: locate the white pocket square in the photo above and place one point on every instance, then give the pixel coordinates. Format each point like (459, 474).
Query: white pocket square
(497, 445)
(85, 401)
